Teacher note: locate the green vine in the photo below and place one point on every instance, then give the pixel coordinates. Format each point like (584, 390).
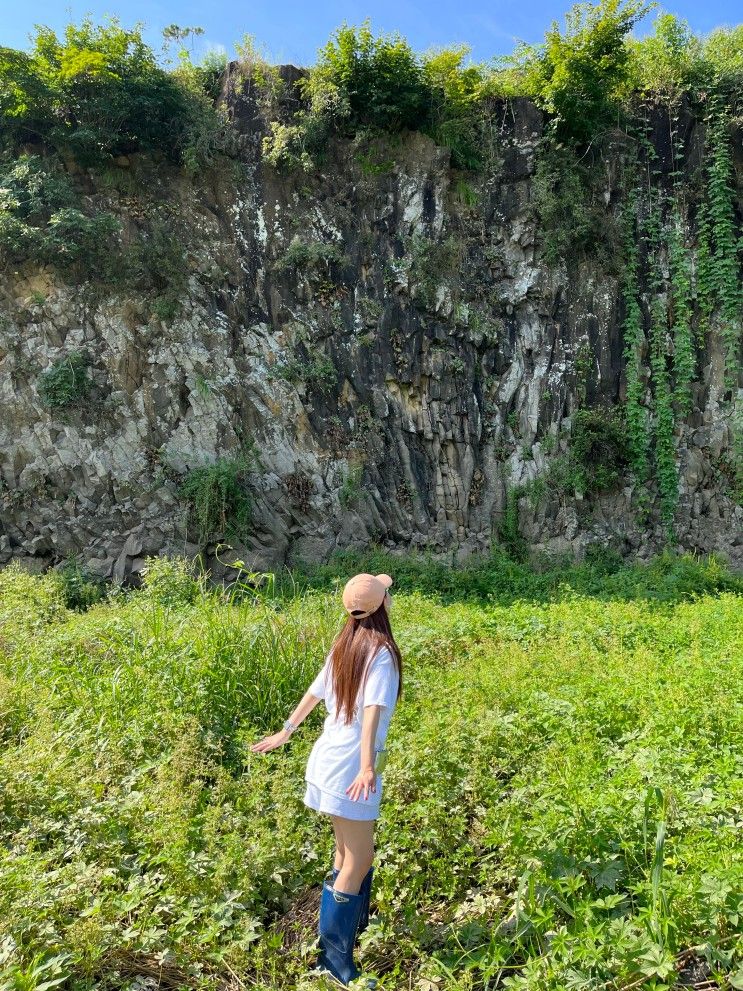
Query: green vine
(634, 345)
(681, 298)
(681, 314)
(509, 533)
(722, 273)
(664, 420)
(705, 274)
(738, 452)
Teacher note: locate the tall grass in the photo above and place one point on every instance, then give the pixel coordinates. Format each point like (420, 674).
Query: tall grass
(561, 805)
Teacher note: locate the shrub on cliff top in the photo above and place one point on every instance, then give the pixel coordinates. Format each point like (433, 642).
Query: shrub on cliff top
(380, 77)
(362, 81)
(98, 92)
(579, 74)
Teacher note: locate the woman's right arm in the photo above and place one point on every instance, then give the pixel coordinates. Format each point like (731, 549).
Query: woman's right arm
(305, 707)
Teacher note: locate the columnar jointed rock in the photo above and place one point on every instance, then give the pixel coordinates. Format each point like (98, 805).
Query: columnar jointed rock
(399, 352)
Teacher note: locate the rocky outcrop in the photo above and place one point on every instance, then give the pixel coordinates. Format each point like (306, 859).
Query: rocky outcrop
(385, 332)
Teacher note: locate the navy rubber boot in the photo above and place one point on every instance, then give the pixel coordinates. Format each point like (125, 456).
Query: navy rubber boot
(365, 893)
(339, 920)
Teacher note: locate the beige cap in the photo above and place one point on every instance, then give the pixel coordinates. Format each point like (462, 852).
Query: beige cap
(364, 594)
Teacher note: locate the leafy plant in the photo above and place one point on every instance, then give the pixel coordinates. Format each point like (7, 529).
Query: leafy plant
(303, 254)
(41, 220)
(350, 489)
(170, 581)
(430, 262)
(157, 263)
(81, 589)
(723, 269)
(316, 371)
(218, 498)
(98, 92)
(559, 191)
(598, 448)
(664, 420)
(579, 74)
(573, 702)
(67, 383)
(684, 359)
(456, 116)
(379, 77)
(509, 530)
(634, 350)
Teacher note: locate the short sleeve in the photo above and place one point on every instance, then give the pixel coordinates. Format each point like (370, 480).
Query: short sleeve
(317, 688)
(381, 683)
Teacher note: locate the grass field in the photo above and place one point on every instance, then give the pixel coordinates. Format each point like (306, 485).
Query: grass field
(563, 800)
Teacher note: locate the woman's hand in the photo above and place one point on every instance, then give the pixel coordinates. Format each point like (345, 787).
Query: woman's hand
(365, 781)
(271, 742)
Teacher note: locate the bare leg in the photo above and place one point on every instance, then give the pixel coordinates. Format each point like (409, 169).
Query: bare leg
(358, 843)
(340, 847)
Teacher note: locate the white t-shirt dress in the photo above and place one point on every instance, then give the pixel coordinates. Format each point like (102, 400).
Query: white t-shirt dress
(335, 759)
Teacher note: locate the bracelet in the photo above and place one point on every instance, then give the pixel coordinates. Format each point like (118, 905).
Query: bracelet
(289, 726)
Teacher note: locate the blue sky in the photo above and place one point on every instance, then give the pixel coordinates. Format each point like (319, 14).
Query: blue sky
(292, 30)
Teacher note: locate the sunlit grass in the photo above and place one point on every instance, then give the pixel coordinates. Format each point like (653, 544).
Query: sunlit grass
(563, 801)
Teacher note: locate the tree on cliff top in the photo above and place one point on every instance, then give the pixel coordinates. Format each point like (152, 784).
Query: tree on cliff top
(580, 74)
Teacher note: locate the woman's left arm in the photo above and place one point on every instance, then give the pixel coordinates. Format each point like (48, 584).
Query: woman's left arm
(305, 707)
(366, 780)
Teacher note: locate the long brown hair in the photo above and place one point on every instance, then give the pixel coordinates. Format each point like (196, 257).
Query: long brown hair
(352, 651)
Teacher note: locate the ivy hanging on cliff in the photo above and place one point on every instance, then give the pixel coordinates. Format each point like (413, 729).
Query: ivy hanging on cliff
(664, 420)
(681, 313)
(718, 284)
(720, 276)
(687, 289)
(634, 348)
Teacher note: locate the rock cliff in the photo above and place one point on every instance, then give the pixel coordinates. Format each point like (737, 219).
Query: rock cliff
(384, 336)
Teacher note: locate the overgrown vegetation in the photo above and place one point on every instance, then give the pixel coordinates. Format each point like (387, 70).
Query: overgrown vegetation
(41, 219)
(560, 201)
(350, 489)
(98, 91)
(156, 262)
(581, 72)
(66, 383)
(44, 219)
(585, 75)
(686, 280)
(555, 764)
(218, 498)
(303, 254)
(80, 589)
(598, 449)
(315, 370)
(720, 274)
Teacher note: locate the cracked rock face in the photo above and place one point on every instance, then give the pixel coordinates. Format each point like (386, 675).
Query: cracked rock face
(388, 337)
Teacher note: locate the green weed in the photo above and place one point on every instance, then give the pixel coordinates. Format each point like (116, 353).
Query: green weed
(560, 804)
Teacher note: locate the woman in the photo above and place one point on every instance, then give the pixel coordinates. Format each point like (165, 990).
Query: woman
(360, 683)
